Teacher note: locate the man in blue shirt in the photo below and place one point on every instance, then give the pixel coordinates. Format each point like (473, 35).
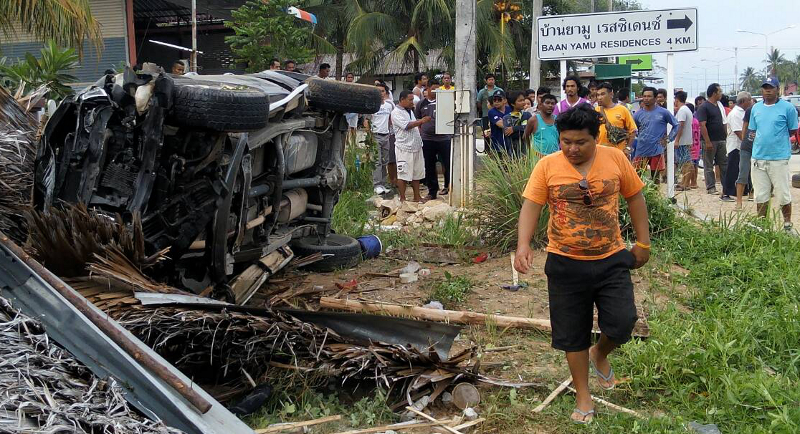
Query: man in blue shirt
(773, 120)
(496, 114)
(651, 122)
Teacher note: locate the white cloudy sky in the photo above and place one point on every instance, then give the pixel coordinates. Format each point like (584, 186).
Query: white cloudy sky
(718, 21)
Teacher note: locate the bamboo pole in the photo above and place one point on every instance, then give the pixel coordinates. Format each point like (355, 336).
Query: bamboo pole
(419, 413)
(286, 426)
(398, 427)
(450, 316)
(561, 387)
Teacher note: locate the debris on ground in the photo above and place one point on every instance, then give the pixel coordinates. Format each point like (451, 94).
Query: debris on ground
(45, 389)
(393, 213)
(17, 154)
(700, 428)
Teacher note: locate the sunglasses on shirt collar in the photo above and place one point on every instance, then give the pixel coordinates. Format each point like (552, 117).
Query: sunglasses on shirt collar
(587, 194)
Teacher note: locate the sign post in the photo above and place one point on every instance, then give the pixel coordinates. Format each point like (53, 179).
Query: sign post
(617, 33)
(627, 34)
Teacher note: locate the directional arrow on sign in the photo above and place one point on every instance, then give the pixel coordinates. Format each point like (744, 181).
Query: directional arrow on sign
(633, 62)
(683, 23)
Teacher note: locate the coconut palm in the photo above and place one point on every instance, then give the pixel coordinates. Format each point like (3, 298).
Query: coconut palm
(402, 30)
(750, 79)
(330, 33)
(774, 61)
(66, 22)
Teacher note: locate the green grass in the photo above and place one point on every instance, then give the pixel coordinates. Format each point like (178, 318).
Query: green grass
(305, 404)
(734, 360)
(452, 290)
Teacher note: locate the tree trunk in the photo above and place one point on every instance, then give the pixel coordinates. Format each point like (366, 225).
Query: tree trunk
(339, 61)
(416, 61)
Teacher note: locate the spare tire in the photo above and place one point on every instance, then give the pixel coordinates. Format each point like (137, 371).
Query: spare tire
(340, 251)
(343, 97)
(796, 180)
(219, 106)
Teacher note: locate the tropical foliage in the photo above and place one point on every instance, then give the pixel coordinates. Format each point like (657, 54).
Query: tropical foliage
(66, 22)
(408, 30)
(263, 30)
(51, 69)
(775, 64)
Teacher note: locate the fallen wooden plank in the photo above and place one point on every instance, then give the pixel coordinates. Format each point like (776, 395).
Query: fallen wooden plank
(454, 316)
(469, 424)
(293, 425)
(397, 427)
(419, 413)
(613, 406)
(450, 316)
(557, 391)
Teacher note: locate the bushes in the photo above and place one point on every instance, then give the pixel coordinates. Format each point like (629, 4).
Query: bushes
(498, 200)
(495, 208)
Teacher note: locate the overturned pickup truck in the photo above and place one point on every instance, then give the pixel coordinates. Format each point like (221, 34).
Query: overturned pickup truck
(221, 170)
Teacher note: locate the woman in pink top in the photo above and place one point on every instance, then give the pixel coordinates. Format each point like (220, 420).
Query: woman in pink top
(695, 151)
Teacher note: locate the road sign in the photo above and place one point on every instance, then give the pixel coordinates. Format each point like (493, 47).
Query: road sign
(617, 33)
(640, 62)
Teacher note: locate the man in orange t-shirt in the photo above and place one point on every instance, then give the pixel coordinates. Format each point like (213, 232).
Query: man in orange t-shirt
(587, 262)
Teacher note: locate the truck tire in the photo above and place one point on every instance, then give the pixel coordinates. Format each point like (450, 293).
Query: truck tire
(343, 97)
(210, 105)
(345, 251)
(796, 180)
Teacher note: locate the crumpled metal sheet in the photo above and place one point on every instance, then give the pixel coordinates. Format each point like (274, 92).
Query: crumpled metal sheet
(63, 322)
(390, 330)
(44, 389)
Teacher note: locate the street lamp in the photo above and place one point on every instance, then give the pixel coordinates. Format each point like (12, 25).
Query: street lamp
(718, 62)
(705, 74)
(767, 35)
(735, 62)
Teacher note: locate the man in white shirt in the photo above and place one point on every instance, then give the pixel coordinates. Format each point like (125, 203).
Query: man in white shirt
(380, 129)
(408, 145)
(733, 144)
(683, 141)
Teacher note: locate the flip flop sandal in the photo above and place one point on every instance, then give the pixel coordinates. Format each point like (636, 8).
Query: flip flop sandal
(444, 192)
(584, 415)
(607, 378)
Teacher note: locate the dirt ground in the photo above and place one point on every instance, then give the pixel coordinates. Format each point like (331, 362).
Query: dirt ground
(528, 358)
(709, 206)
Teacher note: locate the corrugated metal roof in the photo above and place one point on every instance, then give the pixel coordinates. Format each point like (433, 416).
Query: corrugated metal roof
(389, 66)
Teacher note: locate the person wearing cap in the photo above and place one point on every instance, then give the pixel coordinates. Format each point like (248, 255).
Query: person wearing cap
(773, 120)
(496, 114)
(484, 101)
(571, 86)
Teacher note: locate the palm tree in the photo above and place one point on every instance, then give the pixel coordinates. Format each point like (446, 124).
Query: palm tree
(749, 79)
(67, 22)
(402, 30)
(774, 61)
(330, 33)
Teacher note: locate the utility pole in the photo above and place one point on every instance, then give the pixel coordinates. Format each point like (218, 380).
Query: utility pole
(193, 59)
(735, 70)
(462, 165)
(536, 64)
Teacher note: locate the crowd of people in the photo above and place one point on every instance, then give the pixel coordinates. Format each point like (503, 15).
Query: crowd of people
(743, 146)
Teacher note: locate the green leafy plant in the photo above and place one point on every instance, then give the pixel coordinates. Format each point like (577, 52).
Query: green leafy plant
(495, 208)
(453, 289)
(51, 69)
(263, 30)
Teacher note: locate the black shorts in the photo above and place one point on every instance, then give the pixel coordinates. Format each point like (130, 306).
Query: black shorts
(574, 286)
